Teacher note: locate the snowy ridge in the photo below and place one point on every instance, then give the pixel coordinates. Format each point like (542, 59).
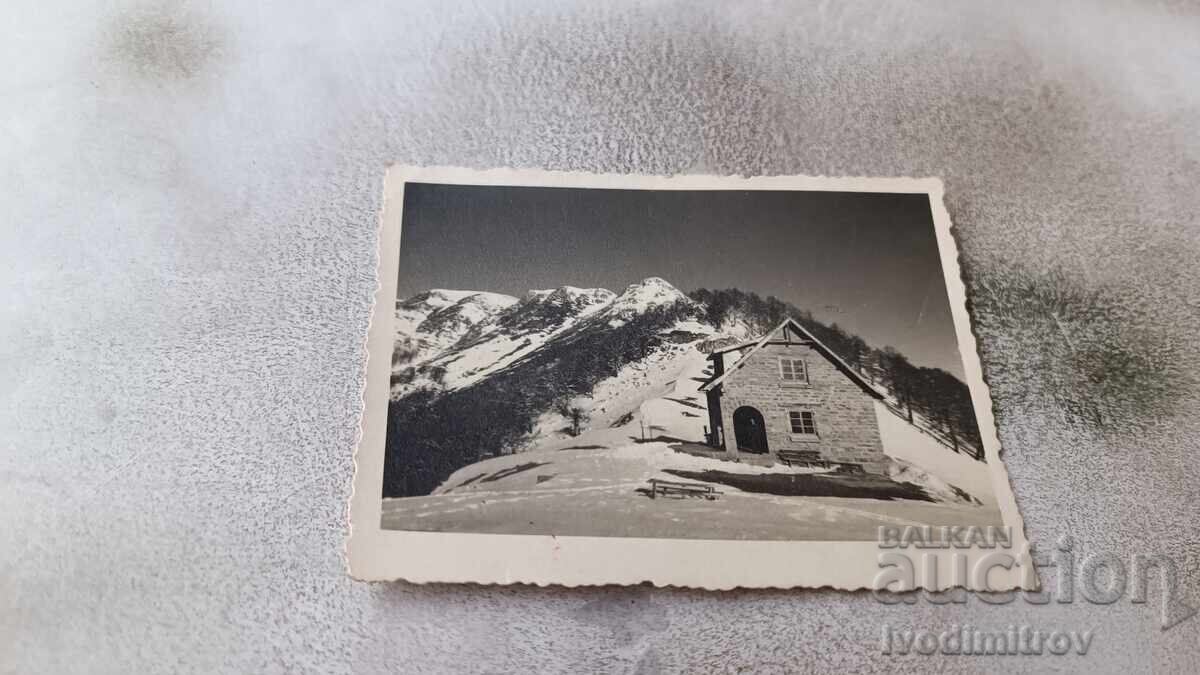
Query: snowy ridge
(451, 323)
(573, 295)
(451, 339)
(430, 322)
(501, 345)
(411, 313)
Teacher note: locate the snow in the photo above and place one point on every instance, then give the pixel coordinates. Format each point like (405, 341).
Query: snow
(497, 349)
(634, 424)
(631, 463)
(917, 450)
(590, 296)
(406, 322)
(594, 492)
(737, 328)
(433, 334)
(497, 299)
(442, 297)
(657, 397)
(903, 472)
(427, 303)
(428, 324)
(475, 309)
(493, 348)
(683, 412)
(642, 296)
(693, 326)
(656, 394)
(473, 306)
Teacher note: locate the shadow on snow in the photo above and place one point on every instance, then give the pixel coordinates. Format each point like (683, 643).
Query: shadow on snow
(811, 485)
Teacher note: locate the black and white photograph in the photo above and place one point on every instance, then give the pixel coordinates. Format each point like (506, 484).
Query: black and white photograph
(706, 364)
(622, 336)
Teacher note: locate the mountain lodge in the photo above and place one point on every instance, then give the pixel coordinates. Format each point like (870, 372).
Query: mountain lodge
(789, 396)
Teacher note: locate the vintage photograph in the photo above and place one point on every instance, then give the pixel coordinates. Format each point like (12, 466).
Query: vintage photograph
(675, 363)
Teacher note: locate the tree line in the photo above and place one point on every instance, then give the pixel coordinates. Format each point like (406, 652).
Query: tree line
(433, 433)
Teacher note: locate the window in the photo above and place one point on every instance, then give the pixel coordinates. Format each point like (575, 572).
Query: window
(803, 422)
(792, 370)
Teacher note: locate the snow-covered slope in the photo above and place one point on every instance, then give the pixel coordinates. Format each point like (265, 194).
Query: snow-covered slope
(656, 399)
(448, 325)
(412, 312)
(572, 295)
(428, 323)
(586, 491)
(451, 339)
(913, 448)
(538, 318)
(653, 397)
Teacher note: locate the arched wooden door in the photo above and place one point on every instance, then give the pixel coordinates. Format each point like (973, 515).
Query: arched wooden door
(750, 430)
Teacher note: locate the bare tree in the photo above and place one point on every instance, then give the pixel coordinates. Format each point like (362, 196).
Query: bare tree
(573, 409)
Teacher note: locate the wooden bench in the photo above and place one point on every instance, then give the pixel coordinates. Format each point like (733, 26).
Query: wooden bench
(669, 488)
(813, 458)
(848, 467)
(801, 458)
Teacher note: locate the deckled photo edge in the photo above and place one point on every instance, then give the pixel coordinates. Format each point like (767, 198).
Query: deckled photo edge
(981, 394)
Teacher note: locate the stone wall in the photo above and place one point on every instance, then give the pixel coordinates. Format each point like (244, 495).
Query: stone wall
(847, 430)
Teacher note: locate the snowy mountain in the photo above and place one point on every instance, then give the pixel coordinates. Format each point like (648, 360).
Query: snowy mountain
(456, 345)
(480, 375)
(428, 323)
(572, 295)
(641, 297)
(546, 310)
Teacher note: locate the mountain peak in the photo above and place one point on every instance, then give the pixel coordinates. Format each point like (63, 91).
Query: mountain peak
(642, 296)
(651, 291)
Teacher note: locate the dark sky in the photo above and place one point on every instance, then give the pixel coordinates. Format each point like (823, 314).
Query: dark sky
(867, 261)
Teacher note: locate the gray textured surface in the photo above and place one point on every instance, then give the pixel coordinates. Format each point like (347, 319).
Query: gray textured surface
(187, 265)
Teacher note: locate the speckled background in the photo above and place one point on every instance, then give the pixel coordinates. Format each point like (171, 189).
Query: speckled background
(187, 262)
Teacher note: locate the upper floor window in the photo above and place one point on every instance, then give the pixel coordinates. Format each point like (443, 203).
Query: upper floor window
(792, 370)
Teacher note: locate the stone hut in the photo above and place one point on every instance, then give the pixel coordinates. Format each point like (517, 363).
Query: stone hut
(789, 396)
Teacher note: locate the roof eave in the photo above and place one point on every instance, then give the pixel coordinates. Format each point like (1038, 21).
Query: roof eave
(820, 346)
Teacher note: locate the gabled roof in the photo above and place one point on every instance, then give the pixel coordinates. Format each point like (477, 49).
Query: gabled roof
(800, 330)
(730, 348)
